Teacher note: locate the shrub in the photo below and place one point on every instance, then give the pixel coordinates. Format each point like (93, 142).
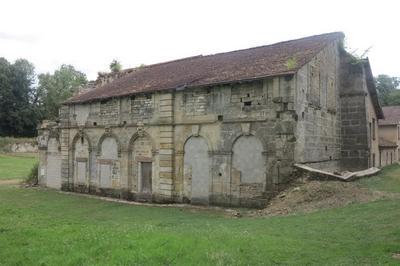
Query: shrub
(33, 175)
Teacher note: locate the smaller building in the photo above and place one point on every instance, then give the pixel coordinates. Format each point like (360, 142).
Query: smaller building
(387, 152)
(389, 136)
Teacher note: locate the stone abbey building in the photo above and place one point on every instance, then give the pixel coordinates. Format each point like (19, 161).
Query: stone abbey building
(220, 129)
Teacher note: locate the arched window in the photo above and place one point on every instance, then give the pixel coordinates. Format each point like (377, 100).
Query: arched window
(248, 159)
(108, 164)
(197, 169)
(141, 164)
(81, 161)
(53, 167)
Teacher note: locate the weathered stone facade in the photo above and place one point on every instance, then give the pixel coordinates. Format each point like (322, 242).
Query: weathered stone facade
(360, 140)
(389, 136)
(232, 143)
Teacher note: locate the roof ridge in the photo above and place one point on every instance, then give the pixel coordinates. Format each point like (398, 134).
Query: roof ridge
(278, 43)
(233, 51)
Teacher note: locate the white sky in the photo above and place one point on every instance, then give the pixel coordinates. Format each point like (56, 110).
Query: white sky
(89, 34)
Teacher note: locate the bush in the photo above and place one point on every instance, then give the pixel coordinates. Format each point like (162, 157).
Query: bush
(33, 175)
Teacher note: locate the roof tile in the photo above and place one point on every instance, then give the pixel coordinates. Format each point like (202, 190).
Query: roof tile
(247, 64)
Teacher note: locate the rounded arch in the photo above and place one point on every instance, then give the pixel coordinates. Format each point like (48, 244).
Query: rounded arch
(248, 159)
(80, 152)
(197, 169)
(79, 136)
(53, 145)
(252, 133)
(181, 147)
(142, 160)
(105, 136)
(142, 134)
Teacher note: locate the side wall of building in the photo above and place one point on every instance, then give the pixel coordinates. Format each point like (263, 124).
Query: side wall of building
(358, 117)
(387, 156)
(391, 133)
(318, 109)
(373, 132)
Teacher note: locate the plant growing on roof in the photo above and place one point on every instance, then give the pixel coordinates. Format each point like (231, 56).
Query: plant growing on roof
(291, 63)
(115, 66)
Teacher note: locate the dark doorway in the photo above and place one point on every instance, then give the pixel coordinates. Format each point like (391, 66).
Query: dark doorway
(145, 177)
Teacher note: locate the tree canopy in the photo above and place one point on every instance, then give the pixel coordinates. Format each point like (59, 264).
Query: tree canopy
(17, 98)
(26, 99)
(388, 90)
(55, 88)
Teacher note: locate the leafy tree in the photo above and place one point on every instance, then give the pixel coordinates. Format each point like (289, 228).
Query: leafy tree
(387, 88)
(55, 88)
(115, 66)
(17, 98)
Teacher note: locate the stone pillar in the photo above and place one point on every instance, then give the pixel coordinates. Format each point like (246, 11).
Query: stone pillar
(178, 178)
(64, 144)
(166, 152)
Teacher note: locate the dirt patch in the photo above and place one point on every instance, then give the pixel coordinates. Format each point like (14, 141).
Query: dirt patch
(312, 195)
(10, 182)
(396, 256)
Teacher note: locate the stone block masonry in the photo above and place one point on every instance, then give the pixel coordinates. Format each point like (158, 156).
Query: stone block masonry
(232, 143)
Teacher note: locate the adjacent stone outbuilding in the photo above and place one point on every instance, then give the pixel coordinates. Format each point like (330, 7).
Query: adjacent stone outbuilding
(221, 129)
(389, 133)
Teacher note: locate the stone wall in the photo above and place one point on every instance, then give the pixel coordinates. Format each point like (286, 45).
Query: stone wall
(391, 133)
(246, 131)
(387, 156)
(359, 122)
(232, 144)
(316, 104)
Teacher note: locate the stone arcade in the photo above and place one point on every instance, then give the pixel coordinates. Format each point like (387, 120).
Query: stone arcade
(220, 129)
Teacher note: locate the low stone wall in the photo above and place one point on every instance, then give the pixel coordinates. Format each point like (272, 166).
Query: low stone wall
(24, 147)
(18, 145)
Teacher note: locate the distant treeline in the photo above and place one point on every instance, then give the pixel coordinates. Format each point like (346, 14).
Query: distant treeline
(388, 90)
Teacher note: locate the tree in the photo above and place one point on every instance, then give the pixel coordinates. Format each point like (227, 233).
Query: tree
(115, 66)
(387, 88)
(18, 116)
(55, 88)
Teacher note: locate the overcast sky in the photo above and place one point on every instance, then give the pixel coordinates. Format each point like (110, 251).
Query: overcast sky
(89, 34)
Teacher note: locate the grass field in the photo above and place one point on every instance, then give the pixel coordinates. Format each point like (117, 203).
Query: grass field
(45, 227)
(16, 166)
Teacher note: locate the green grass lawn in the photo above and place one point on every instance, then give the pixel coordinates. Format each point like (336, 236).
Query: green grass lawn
(45, 227)
(387, 180)
(16, 166)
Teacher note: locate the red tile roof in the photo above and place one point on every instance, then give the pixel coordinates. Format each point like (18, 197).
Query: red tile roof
(392, 115)
(265, 61)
